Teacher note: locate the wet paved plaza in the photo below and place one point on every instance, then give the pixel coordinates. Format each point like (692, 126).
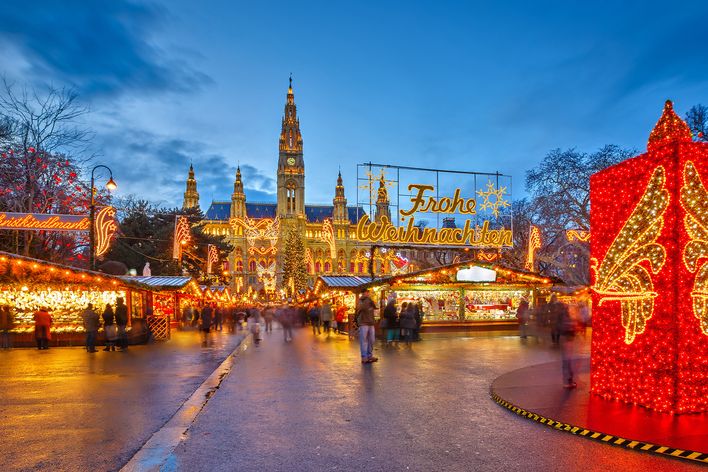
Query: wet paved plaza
(65, 409)
(311, 405)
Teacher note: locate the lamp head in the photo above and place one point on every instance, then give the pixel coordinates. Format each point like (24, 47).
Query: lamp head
(111, 184)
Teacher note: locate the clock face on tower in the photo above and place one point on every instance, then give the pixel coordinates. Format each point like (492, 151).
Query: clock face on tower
(291, 161)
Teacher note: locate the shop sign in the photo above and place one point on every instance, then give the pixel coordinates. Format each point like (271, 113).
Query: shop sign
(476, 274)
(43, 221)
(481, 234)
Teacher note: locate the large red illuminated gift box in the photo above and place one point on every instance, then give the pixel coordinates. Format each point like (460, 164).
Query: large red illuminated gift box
(649, 226)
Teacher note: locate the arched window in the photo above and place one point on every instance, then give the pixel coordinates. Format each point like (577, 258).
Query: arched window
(327, 267)
(351, 267)
(360, 267)
(290, 197)
(252, 266)
(318, 267)
(239, 265)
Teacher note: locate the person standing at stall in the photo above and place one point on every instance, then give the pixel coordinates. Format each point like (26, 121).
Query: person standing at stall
(326, 315)
(42, 328)
(206, 319)
(367, 334)
(340, 317)
(109, 328)
(91, 323)
(122, 323)
(7, 320)
(522, 314)
(408, 322)
(390, 320)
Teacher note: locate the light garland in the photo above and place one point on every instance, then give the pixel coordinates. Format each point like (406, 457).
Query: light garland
(694, 200)
(328, 237)
(65, 306)
(534, 245)
(106, 226)
(657, 275)
(577, 235)
(182, 236)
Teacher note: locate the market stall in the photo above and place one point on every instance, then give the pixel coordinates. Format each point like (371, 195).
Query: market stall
(464, 295)
(27, 284)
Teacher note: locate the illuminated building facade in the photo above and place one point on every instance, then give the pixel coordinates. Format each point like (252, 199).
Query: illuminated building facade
(258, 231)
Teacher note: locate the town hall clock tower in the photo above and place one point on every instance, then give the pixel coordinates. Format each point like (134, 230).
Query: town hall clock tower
(291, 165)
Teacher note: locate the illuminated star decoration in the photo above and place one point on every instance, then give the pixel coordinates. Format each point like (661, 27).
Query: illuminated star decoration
(493, 199)
(371, 179)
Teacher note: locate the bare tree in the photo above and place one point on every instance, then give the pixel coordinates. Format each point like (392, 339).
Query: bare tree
(697, 119)
(41, 135)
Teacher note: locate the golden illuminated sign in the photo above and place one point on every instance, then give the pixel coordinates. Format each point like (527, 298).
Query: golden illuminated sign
(182, 235)
(423, 201)
(106, 227)
(45, 222)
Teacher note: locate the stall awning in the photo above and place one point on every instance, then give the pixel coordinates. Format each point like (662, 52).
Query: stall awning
(159, 282)
(342, 282)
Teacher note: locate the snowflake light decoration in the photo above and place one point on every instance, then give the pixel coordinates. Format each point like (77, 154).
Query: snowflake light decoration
(493, 198)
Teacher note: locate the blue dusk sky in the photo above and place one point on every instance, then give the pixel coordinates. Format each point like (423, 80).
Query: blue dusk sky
(476, 86)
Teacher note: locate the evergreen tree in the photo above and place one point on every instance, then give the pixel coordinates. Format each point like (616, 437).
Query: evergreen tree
(294, 266)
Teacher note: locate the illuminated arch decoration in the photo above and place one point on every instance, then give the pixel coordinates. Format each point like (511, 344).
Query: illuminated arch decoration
(534, 245)
(328, 237)
(182, 236)
(266, 275)
(649, 244)
(694, 200)
(212, 257)
(105, 228)
(255, 230)
(580, 235)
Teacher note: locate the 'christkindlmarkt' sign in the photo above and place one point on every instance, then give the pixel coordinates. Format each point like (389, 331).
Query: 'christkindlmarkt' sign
(43, 221)
(105, 224)
(480, 218)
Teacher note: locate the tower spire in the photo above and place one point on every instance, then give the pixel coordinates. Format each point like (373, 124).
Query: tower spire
(191, 196)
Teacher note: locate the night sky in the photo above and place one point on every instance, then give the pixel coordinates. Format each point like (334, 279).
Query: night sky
(486, 87)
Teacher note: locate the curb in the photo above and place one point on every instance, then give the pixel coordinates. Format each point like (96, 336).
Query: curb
(156, 452)
(639, 446)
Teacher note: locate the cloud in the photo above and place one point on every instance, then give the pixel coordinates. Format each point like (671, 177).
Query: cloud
(100, 48)
(155, 167)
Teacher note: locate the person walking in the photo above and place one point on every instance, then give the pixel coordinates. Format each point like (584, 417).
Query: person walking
(253, 322)
(390, 320)
(91, 324)
(286, 316)
(218, 318)
(122, 324)
(326, 316)
(408, 322)
(268, 315)
(7, 320)
(566, 328)
(522, 314)
(109, 328)
(42, 328)
(314, 315)
(367, 334)
(206, 319)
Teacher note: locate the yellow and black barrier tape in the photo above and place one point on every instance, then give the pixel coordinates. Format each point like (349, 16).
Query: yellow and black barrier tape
(602, 437)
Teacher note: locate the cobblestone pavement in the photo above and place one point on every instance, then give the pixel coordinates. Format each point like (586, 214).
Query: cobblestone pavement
(65, 409)
(311, 405)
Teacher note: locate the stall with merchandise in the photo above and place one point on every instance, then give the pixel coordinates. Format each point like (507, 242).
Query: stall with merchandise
(27, 284)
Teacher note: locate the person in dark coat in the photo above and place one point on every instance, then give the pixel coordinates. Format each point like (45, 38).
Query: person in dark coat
(91, 323)
(390, 316)
(206, 319)
(122, 323)
(314, 315)
(408, 322)
(109, 328)
(7, 321)
(42, 328)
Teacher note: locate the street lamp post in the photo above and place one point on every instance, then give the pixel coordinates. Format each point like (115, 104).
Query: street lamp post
(110, 185)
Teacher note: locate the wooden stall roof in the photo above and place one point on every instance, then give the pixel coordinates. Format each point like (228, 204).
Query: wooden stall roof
(440, 274)
(46, 271)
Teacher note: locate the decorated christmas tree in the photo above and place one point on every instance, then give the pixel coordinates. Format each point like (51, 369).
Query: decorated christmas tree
(294, 266)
